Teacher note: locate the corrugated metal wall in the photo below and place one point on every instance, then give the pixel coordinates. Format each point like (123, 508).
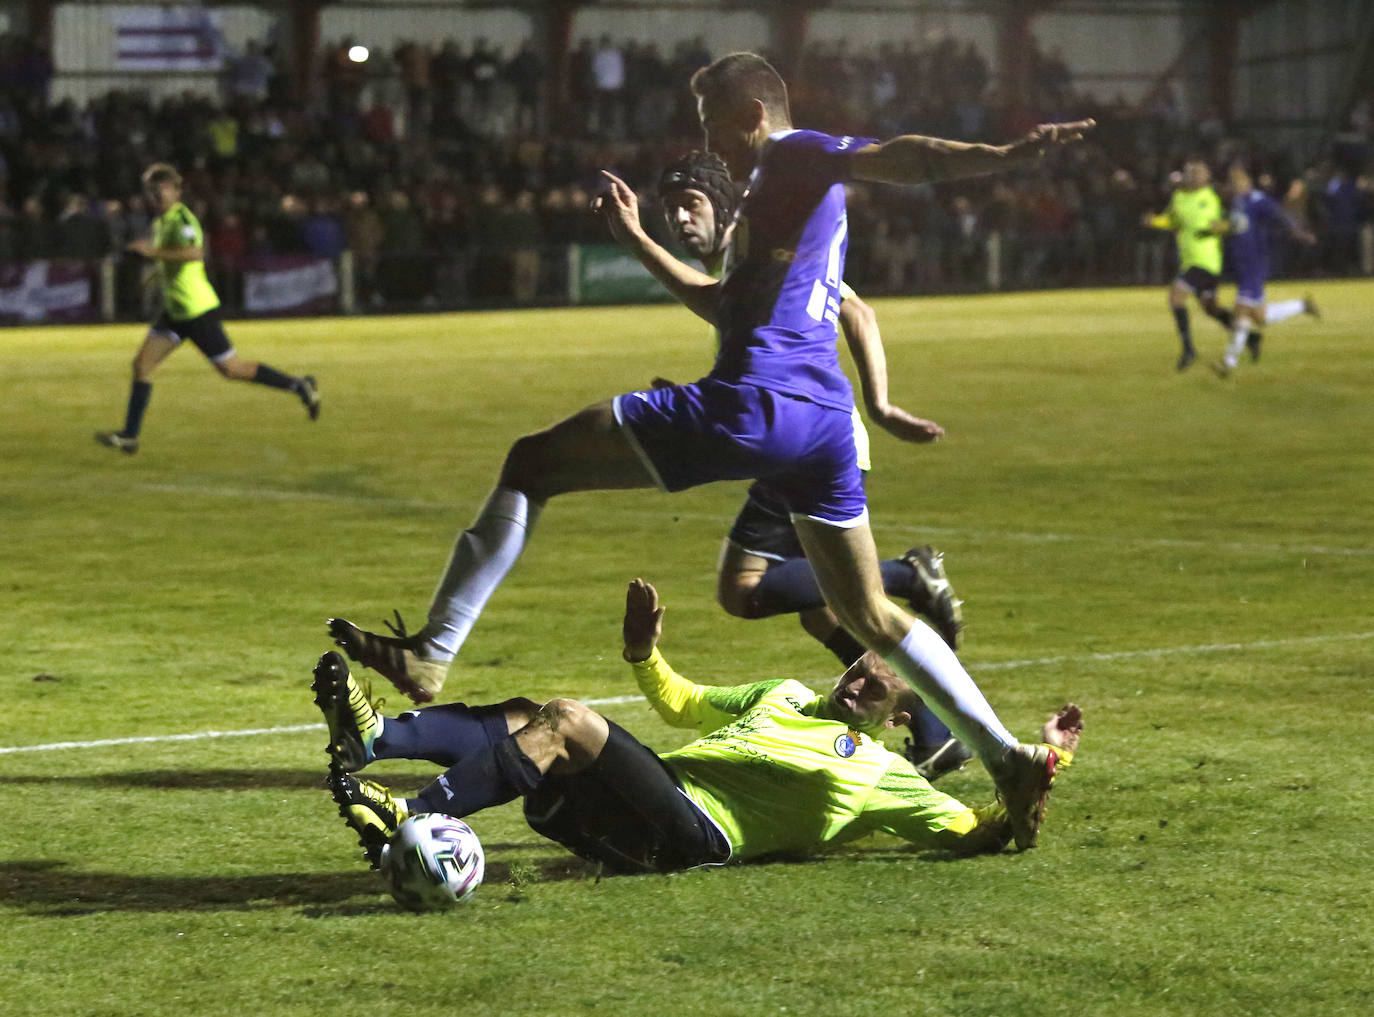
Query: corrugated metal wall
(1123, 52)
(864, 26)
(1292, 66)
(724, 31)
(388, 23)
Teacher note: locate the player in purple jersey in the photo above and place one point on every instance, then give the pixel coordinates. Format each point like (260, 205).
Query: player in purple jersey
(1255, 217)
(763, 570)
(775, 408)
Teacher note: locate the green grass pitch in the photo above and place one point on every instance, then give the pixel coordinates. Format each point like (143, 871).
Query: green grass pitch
(1188, 558)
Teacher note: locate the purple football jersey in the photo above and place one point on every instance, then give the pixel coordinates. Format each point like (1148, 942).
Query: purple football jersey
(1254, 218)
(780, 300)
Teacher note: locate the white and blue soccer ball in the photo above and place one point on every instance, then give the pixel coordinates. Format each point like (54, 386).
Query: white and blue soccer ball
(433, 861)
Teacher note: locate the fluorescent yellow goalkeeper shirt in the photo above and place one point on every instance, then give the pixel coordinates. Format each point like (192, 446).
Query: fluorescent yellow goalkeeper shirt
(1190, 215)
(186, 290)
(777, 778)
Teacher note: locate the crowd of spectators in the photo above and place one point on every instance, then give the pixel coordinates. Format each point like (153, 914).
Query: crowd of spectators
(442, 171)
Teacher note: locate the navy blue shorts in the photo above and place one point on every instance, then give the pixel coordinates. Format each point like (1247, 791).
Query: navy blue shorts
(205, 330)
(711, 430)
(764, 528)
(1201, 282)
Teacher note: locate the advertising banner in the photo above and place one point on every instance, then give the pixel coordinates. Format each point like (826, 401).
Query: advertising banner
(605, 274)
(38, 291)
(290, 284)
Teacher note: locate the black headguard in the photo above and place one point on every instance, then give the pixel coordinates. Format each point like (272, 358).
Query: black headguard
(705, 172)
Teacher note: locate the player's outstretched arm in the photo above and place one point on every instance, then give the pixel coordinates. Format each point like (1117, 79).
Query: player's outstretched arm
(1290, 223)
(860, 327)
(1158, 221)
(146, 247)
(679, 702)
(697, 290)
(915, 158)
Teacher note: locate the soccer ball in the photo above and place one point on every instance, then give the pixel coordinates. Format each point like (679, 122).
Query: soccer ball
(432, 861)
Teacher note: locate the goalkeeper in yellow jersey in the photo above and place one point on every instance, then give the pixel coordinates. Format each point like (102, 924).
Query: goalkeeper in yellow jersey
(777, 770)
(1197, 220)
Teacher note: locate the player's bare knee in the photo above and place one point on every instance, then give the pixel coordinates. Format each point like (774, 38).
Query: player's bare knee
(557, 716)
(518, 712)
(579, 730)
(734, 593)
(527, 466)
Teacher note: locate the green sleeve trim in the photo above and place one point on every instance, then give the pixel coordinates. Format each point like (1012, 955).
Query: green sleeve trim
(683, 703)
(904, 784)
(736, 699)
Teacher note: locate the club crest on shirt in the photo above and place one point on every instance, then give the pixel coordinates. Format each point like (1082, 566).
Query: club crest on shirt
(846, 744)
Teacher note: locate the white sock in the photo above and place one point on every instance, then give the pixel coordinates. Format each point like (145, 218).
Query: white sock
(1237, 345)
(1283, 310)
(932, 669)
(482, 556)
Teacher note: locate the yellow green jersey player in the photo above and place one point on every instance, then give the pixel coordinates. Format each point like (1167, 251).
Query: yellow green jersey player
(776, 769)
(190, 310)
(1196, 218)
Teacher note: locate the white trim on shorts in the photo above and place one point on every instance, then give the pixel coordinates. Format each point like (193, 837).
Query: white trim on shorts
(178, 339)
(766, 555)
(843, 524)
(1249, 301)
(710, 819)
(633, 439)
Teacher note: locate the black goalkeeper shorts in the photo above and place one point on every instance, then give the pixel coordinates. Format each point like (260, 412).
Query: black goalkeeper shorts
(627, 812)
(206, 331)
(1202, 282)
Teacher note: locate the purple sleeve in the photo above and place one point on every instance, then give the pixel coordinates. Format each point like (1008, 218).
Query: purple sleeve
(1267, 209)
(818, 158)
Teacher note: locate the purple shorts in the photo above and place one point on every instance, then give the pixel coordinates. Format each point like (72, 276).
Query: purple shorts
(1250, 289)
(713, 430)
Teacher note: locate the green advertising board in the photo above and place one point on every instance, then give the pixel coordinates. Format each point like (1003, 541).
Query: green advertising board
(606, 274)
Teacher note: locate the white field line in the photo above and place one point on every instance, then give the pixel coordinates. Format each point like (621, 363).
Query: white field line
(1004, 665)
(1171, 651)
(1028, 537)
